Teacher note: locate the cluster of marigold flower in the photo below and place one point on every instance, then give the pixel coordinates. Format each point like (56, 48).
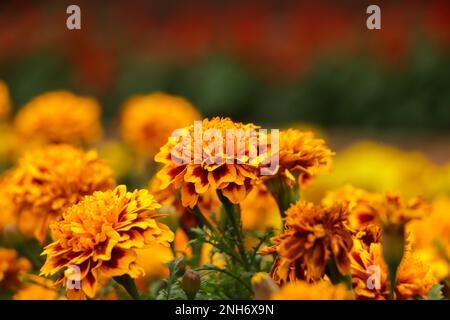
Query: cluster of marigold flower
(60, 199)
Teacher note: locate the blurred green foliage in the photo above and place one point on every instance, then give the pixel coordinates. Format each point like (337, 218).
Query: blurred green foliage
(357, 92)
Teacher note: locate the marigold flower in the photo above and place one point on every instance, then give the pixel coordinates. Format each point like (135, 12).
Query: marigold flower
(234, 180)
(48, 180)
(431, 237)
(101, 234)
(147, 120)
(11, 268)
(59, 117)
(413, 277)
(302, 155)
(323, 290)
(313, 235)
(5, 100)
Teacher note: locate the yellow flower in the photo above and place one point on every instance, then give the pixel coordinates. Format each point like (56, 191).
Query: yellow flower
(118, 157)
(11, 268)
(431, 237)
(148, 120)
(312, 236)
(302, 155)
(377, 168)
(413, 277)
(5, 100)
(259, 211)
(48, 180)
(234, 180)
(59, 117)
(302, 290)
(101, 234)
(37, 288)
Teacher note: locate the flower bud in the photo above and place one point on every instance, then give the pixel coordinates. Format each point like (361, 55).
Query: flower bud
(191, 283)
(263, 286)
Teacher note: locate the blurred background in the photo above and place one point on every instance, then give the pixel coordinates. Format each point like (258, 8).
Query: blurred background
(278, 64)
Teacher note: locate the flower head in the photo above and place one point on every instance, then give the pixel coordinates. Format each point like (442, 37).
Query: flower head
(11, 268)
(148, 120)
(59, 117)
(215, 171)
(313, 235)
(5, 100)
(302, 290)
(101, 235)
(46, 181)
(413, 277)
(302, 155)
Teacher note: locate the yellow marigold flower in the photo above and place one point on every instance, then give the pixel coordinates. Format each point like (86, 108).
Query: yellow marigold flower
(59, 117)
(409, 173)
(101, 234)
(302, 290)
(259, 211)
(37, 288)
(431, 237)
(312, 236)
(234, 180)
(148, 120)
(48, 180)
(5, 100)
(413, 277)
(302, 155)
(11, 268)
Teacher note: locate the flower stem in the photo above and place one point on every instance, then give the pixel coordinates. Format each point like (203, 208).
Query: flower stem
(198, 213)
(335, 276)
(128, 283)
(282, 193)
(234, 215)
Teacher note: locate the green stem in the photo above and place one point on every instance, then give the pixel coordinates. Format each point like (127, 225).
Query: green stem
(198, 213)
(282, 193)
(239, 279)
(128, 283)
(234, 215)
(335, 276)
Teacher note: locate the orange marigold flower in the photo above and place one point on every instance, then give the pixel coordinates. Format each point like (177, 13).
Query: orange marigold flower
(323, 290)
(11, 268)
(431, 237)
(147, 120)
(101, 235)
(234, 180)
(48, 180)
(413, 277)
(59, 117)
(313, 235)
(302, 155)
(367, 208)
(5, 100)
